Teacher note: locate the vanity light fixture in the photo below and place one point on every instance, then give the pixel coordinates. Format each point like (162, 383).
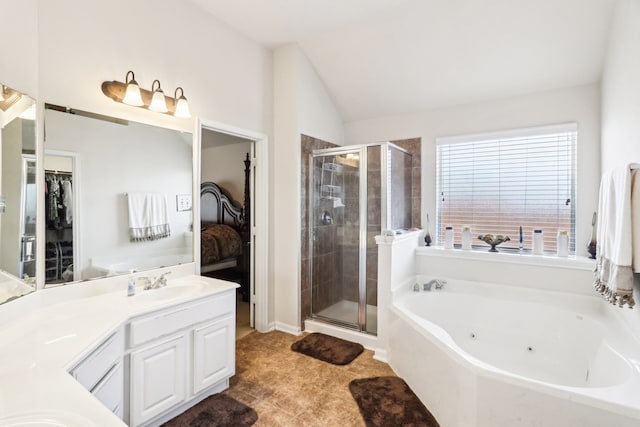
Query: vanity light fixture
(154, 100)
(132, 94)
(8, 97)
(158, 102)
(182, 107)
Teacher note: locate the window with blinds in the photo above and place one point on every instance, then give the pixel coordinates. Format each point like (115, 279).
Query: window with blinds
(497, 183)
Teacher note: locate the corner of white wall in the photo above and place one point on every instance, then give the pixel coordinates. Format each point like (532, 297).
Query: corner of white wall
(302, 104)
(319, 116)
(621, 89)
(285, 188)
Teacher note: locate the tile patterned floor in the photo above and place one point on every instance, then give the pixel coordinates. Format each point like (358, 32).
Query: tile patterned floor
(290, 389)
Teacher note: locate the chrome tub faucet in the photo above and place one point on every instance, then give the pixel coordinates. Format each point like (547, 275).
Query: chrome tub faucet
(439, 283)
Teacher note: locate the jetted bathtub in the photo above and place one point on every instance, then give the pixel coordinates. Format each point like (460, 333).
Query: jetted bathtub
(479, 354)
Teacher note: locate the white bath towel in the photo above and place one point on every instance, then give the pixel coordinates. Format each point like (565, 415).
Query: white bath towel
(148, 217)
(614, 273)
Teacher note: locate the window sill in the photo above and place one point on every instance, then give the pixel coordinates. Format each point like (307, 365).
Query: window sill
(571, 262)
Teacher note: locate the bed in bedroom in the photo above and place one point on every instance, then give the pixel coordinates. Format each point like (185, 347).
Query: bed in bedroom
(224, 237)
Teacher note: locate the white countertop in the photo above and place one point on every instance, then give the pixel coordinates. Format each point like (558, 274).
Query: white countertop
(41, 344)
(11, 287)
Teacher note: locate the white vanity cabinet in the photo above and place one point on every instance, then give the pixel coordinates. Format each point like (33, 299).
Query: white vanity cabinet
(213, 357)
(158, 378)
(101, 372)
(179, 355)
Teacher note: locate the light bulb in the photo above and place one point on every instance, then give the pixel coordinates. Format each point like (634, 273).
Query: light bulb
(182, 106)
(158, 102)
(132, 94)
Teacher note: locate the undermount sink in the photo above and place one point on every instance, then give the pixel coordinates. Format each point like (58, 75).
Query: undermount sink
(53, 419)
(169, 292)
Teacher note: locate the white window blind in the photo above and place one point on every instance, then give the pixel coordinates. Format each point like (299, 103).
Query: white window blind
(497, 183)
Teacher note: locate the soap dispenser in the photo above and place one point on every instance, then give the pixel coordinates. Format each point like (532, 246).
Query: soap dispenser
(131, 286)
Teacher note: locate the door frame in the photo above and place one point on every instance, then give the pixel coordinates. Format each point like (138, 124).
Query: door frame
(259, 229)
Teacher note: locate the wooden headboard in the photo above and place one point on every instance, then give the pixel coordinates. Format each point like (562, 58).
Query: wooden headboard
(216, 206)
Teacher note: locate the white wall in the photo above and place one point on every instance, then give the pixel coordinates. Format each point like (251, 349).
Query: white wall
(115, 159)
(224, 165)
(578, 104)
(225, 76)
(19, 35)
(302, 105)
(621, 104)
(317, 114)
(621, 89)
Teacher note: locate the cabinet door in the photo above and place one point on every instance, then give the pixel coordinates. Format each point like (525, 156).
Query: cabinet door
(158, 375)
(213, 353)
(96, 365)
(110, 390)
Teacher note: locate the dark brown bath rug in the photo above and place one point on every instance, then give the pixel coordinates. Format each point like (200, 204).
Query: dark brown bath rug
(218, 410)
(388, 401)
(327, 348)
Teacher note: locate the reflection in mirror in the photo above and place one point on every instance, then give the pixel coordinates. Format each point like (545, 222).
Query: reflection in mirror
(111, 194)
(17, 194)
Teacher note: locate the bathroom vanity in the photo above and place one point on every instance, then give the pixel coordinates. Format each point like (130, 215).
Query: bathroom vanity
(93, 356)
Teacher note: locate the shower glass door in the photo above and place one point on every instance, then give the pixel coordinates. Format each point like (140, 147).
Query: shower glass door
(355, 193)
(334, 236)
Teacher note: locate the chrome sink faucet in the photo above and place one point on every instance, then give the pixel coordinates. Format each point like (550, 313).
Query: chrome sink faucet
(437, 282)
(157, 282)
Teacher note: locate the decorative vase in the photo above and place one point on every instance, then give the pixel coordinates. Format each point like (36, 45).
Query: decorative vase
(592, 245)
(493, 241)
(427, 237)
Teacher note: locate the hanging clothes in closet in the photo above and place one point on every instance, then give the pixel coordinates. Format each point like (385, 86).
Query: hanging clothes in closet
(59, 199)
(59, 219)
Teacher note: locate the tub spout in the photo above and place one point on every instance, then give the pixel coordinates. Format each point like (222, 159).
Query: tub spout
(437, 282)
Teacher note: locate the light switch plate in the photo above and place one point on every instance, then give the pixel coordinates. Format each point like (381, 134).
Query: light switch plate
(183, 202)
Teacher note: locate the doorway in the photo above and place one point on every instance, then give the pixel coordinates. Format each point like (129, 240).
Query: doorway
(232, 164)
(61, 213)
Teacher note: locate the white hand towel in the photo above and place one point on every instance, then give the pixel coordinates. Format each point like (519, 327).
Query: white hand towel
(148, 217)
(614, 275)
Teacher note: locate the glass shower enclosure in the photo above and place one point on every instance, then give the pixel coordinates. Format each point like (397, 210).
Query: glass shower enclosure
(356, 193)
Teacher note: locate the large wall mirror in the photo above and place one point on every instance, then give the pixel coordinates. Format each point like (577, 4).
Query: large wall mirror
(17, 194)
(117, 196)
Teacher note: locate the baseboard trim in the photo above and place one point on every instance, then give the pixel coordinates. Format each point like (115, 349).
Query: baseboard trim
(289, 329)
(381, 355)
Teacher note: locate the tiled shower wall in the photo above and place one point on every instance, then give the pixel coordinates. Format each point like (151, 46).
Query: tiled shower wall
(337, 274)
(413, 145)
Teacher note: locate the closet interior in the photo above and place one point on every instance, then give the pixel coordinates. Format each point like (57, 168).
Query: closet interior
(59, 233)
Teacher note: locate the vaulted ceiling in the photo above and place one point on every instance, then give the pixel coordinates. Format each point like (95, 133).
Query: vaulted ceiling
(386, 57)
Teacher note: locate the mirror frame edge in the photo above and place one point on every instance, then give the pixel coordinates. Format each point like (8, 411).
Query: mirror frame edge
(196, 151)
